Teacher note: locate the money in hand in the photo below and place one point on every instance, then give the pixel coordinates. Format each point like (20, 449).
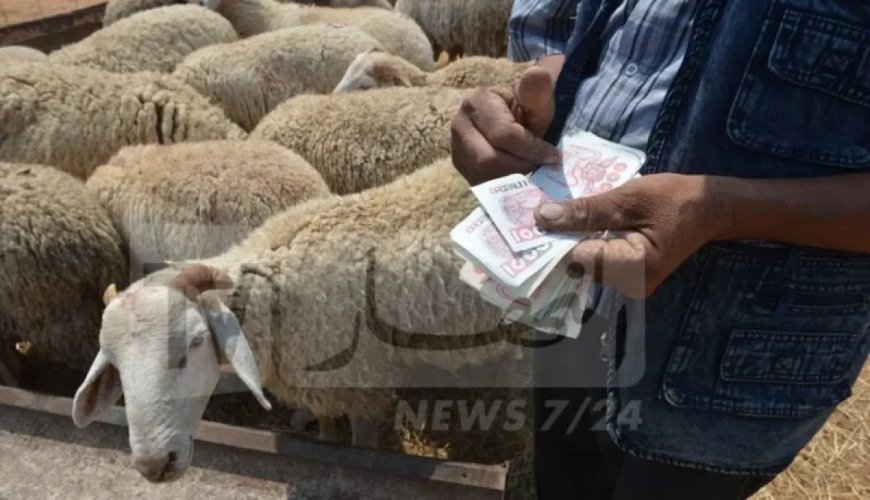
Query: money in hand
(478, 241)
(510, 202)
(590, 166)
(521, 269)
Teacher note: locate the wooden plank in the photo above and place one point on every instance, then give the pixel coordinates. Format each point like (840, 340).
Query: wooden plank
(53, 32)
(474, 476)
(44, 455)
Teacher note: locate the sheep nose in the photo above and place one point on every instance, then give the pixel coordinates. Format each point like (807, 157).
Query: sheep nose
(156, 468)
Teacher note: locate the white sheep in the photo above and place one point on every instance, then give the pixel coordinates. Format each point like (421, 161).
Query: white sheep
(75, 119)
(329, 304)
(119, 9)
(152, 40)
(384, 4)
(397, 34)
(251, 77)
(374, 69)
(462, 27)
(21, 53)
(60, 251)
(195, 200)
(361, 140)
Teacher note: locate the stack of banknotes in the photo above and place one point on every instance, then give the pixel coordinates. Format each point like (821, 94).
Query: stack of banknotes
(521, 269)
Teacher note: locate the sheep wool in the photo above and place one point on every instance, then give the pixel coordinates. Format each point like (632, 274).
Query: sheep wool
(119, 9)
(60, 251)
(398, 34)
(75, 119)
(384, 4)
(358, 271)
(362, 140)
(194, 200)
(249, 78)
(462, 27)
(152, 40)
(377, 69)
(15, 53)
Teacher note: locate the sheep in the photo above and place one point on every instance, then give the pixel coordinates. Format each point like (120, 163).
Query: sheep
(75, 119)
(376, 69)
(398, 34)
(384, 4)
(119, 9)
(194, 200)
(251, 77)
(60, 251)
(21, 53)
(328, 304)
(153, 40)
(462, 27)
(365, 139)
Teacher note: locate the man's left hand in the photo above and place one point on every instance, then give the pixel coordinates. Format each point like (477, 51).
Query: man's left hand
(658, 220)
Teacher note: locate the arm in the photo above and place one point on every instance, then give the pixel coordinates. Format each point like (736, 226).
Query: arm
(825, 212)
(498, 130)
(663, 219)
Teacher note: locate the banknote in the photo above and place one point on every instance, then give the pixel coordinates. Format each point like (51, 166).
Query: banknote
(563, 303)
(525, 271)
(511, 203)
(590, 165)
(477, 240)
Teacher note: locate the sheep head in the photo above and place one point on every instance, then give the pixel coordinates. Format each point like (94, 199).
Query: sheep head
(375, 69)
(161, 345)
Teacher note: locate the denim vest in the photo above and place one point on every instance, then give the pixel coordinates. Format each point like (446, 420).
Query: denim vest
(748, 345)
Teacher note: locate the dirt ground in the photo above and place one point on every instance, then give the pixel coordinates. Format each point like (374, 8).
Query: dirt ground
(45, 457)
(835, 465)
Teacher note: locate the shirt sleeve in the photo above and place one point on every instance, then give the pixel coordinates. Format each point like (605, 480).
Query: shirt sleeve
(539, 28)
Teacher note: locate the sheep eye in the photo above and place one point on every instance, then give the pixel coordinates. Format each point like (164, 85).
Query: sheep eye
(197, 341)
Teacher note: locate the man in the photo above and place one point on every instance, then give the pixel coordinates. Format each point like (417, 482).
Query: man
(748, 235)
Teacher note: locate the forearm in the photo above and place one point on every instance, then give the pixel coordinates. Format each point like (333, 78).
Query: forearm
(827, 212)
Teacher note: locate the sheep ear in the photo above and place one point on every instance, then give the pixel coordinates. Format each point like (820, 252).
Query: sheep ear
(110, 294)
(198, 278)
(383, 70)
(233, 346)
(99, 392)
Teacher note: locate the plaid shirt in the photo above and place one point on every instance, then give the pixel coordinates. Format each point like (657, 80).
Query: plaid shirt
(645, 42)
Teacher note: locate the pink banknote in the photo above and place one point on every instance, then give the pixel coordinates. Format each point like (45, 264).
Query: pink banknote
(477, 240)
(590, 165)
(511, 202)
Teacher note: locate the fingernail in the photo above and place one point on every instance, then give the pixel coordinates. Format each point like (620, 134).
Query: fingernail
(553, 158)
(551, 212)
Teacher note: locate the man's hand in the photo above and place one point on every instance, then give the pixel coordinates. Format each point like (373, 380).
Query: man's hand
(498, 130)
(658, 220)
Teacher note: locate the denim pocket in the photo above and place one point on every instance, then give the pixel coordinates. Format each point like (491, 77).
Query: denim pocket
(742, 348)
(806, 92)
(787, 357)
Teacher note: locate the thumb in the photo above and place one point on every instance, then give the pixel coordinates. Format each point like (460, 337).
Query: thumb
(594, 213)
(535, 95)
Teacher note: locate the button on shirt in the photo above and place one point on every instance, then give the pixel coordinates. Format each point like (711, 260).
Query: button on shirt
(645, 42)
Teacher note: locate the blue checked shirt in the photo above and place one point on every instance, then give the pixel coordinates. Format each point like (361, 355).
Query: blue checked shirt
(645, 42)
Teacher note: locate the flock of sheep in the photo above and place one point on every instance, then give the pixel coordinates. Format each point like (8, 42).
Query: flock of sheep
(289, 161)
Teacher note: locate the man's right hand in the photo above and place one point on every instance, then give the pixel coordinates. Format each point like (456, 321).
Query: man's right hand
(498, 130)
